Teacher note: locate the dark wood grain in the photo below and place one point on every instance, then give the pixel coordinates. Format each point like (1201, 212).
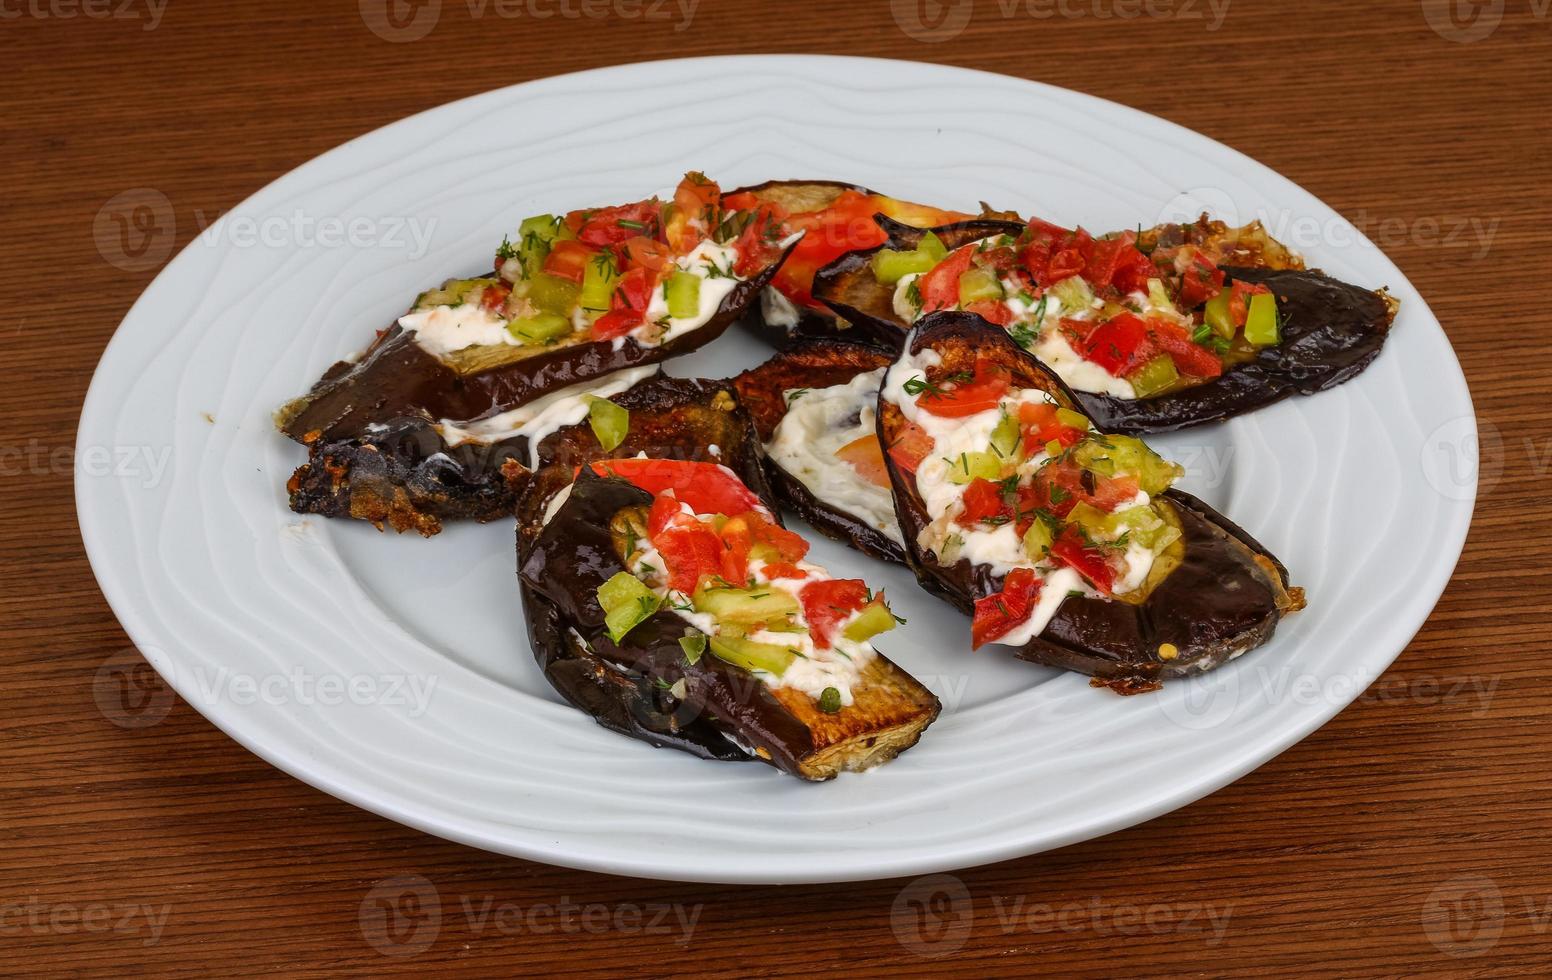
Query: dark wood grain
(1413, 829)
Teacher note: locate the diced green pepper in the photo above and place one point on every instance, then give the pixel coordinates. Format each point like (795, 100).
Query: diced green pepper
(552, 294)
(1073, 293)
(978, 284)
(968, 466)
(1117, 455)
(1007, 437)
(1090, 518)
(598, 282)
(932, 245)
(683, 293)
(534, 237)
(693, 645)
(1216, 315)
(749, 607)
(750, 655)
(1261, 320)
(609, 422)
(540, 328)
(626, 602)
(1076, 420)
(452, 292)
(874, 619)
(890, 266)
(1156, 375)
(1037, 540)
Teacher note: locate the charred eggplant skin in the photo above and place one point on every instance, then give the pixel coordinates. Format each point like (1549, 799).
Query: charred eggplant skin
(818, 364)
(404, 475)
(1225, 597)
(395, 377)
(1332, 330)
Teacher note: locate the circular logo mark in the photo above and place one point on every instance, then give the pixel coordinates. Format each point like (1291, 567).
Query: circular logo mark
(128, 690)
(401, 916)
(1463, 21)
(932, 21)
(1202, 702)
(932, 916)
(400, 21)
(1462, 455)
(1191, 204)
(1464, 916)
(134, 231)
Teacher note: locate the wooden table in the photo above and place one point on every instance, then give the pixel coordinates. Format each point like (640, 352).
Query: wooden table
(1413, 833)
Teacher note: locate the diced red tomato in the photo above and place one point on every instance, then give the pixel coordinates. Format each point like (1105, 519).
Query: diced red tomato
(1057, 487)
(766, 539)
(997, 615)
(983, 501)
(736, 542)
(759, 244)
(647, 253)
(695, 209)
(1070, 549)
(911, 447)
(1112, 492)
(665, 507)
(568, 259)
(1239, 299)
(783, 569)
(1119, 345)
(628, 305)
(1189, 357)
(957, 399)
(1040, 426)
(827, 602)
(1103, 256)
(992, 310)
(690, 550)
(866, 456)
(1063, 265)
(1133, 270)
(1200, 282)
(939, 286)
(613, 225)
(494, 297)
(707, 487)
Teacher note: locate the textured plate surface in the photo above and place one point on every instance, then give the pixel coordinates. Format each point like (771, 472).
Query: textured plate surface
(395, 673)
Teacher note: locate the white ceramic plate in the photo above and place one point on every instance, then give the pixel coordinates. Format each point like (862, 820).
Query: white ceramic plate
(395, 672)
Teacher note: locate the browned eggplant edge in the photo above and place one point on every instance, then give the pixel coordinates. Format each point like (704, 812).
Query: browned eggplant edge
(819, 364)
(395, 377)
(1225, 597)
(1332, 330)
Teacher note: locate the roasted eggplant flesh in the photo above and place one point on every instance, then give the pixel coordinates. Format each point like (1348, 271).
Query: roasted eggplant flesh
(1218, 594)
(782, 384)
(1174, 367)
(644, 685)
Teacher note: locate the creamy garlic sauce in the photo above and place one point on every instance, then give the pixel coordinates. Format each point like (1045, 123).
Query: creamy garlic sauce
(813, 670)
(713, 265)
(543, 416)
(818, 423)
(1001, 548)
(777, 309)
(444, 329)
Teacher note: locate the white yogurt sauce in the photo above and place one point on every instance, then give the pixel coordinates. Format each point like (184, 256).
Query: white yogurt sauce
(777, 309)
(713, 265)
(545, 415)
(817, 424)
(444, 329)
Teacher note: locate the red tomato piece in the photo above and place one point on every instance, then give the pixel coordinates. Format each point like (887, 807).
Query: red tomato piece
(1119, 345)
(1040, 426)
(665, 507)
(1103, 257)
(939, 286)
(866, 456)
(1189, 357)
(613, 225)
(568, 259)
(1070, 549)
(647, 253)
(1057, 487)
(759, 244)
(628, 305)
(1201, 282)
(493, 298)
(992, 311)
(736, 541)
(1112, 493)
(997, 615)
(690, 550)
(911, 447)
(827, 602)
(983, 501)
(708, 488)
(957, 399)
(783, 569)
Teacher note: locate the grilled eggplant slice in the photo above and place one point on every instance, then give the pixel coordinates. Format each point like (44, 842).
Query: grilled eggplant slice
(809, 405)
(835, 218)
(412, 472)
(651, 682)
(1017, 513)
(1142, 357)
